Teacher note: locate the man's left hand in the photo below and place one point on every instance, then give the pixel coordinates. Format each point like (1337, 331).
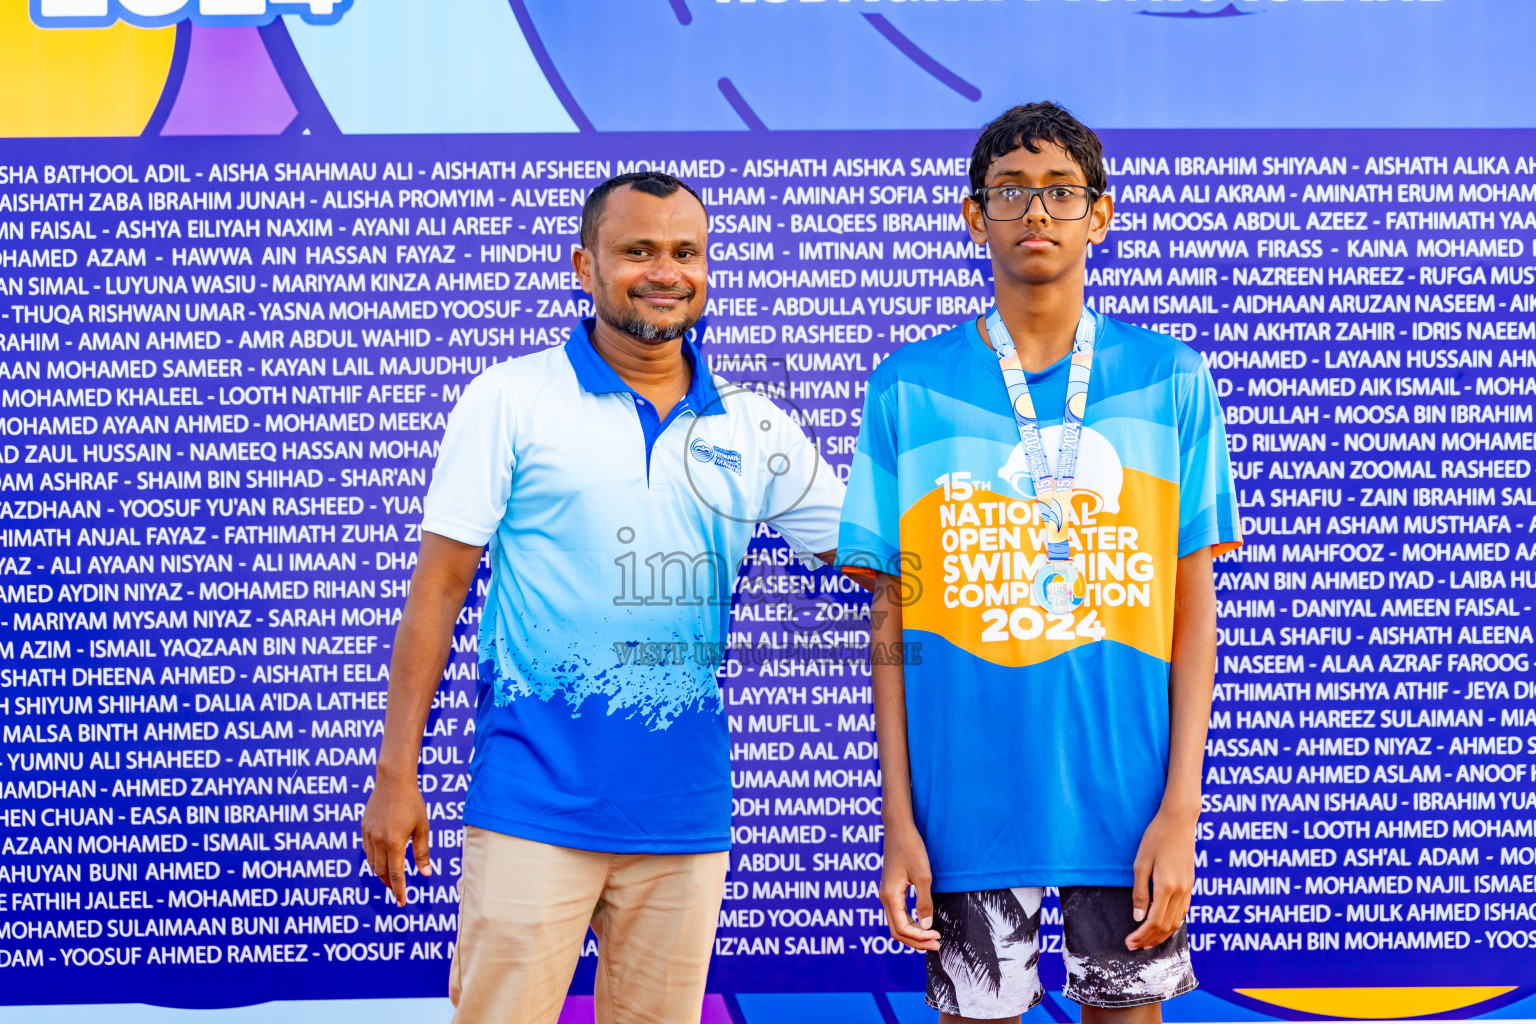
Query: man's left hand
(1165, 877)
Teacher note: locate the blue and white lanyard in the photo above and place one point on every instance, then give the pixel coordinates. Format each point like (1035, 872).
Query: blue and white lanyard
(1052, 491)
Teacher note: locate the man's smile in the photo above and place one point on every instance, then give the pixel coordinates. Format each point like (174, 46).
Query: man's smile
(661, 299)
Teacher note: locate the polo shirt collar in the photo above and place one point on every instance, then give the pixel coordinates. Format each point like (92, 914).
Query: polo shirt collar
(598, 378)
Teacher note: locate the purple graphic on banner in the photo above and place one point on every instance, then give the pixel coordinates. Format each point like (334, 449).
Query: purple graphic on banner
(229, 87)
(921, 58)
(579, 1010)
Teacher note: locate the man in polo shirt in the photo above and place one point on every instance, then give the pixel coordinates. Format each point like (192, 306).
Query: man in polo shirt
(616, 486)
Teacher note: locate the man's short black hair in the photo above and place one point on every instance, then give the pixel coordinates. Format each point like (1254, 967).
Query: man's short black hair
(1024, 127)
(652, 183)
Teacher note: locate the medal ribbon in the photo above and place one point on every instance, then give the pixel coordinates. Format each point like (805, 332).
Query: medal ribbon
(1053, 492)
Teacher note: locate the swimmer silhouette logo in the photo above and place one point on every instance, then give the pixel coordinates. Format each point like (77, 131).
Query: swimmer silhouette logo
(159, 13)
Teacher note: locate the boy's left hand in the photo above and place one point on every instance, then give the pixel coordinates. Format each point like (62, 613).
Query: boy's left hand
(1165, 877)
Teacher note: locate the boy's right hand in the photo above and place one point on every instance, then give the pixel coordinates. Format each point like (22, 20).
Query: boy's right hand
(906, 866)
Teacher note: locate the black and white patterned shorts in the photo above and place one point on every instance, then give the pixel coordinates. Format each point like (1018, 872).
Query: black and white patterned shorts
(987, 964)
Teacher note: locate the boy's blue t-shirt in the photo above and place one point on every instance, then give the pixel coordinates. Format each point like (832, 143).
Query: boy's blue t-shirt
(1038, 742)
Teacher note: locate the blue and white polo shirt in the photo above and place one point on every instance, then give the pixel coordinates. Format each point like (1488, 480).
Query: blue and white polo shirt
(610, 529)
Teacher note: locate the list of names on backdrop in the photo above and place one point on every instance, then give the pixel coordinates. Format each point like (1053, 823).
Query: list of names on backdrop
(224, 385)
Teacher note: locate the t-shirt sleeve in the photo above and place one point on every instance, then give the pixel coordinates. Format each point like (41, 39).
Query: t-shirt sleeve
(804, 500)
(1208, 513)
(472, 481)
(869, 538)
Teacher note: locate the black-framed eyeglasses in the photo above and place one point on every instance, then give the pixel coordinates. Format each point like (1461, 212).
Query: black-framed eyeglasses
(1012, 202)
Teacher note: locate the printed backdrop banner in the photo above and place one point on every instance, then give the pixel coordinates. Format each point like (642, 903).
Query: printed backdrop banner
(251, 253)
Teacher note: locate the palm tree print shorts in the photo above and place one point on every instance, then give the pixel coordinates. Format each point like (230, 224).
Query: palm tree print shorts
(987, 964)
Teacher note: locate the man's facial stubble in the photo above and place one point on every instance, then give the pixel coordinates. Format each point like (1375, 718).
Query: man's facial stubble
(632, 321)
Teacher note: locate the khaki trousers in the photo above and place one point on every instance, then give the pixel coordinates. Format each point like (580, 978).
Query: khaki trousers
(523, 916)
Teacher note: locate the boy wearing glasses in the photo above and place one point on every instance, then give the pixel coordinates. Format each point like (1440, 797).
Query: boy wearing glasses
(1039, 494)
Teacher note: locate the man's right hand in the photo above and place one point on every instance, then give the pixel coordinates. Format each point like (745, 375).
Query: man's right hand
(396, 815)
(906, 866)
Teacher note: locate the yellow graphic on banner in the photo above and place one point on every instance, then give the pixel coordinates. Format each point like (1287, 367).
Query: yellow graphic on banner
(79, 82)
(1377, 1003)
(980, 550)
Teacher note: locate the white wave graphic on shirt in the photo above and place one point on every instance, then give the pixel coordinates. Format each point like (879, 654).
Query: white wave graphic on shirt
(1099, 470)
(655, 693)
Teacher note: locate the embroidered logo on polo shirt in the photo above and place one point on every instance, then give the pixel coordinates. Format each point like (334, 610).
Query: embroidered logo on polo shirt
(729, 459)
(703, 451)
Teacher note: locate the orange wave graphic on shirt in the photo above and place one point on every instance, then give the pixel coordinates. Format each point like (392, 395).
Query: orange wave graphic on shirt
(975, 592)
